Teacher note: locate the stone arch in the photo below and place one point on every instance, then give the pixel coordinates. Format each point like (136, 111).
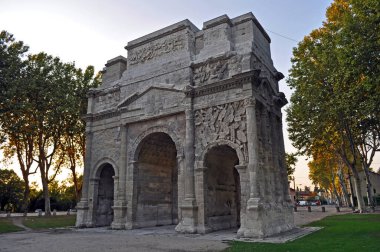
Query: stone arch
(137, 144)
(99, 165)
(104, 189)
(222, 185)
(156, 179)
(221, 142)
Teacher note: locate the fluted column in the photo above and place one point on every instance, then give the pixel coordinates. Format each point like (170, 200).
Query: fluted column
(120, 199)
(190, 155)
(189, 208)
(244, 191)
(82, 205)
(253, 155)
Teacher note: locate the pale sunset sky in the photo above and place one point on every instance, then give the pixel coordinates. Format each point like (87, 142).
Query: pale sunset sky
(90, 32)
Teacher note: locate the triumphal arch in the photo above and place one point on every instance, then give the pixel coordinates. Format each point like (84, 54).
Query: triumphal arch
(187, 131)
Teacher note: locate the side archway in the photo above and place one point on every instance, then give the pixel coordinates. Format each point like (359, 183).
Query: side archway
(104, 191)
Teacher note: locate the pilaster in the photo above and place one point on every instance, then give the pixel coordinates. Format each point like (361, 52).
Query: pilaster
(120, 203)
(82, 206)
(189, 207)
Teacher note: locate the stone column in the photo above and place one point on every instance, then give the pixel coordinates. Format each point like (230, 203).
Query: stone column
(279, 196)
(244, 193)
(82, 205)
(201, 192)
(181, 183)
(255, 212)
(189, 208)
(283, 173)
(190, 155)
(92, 202)
(120, 204)
(253, 155)
(131, 189)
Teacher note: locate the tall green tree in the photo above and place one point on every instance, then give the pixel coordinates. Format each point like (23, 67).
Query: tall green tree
(73, 148)
(11, 190)
(335, 77)
(56, 93)
(16, 134)
(42, 101)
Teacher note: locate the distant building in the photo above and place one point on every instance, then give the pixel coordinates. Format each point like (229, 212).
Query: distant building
(375, 181)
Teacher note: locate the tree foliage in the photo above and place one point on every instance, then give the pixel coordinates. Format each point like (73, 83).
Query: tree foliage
(291, 161)
(42, 102)
(11, 190)
(335, 76)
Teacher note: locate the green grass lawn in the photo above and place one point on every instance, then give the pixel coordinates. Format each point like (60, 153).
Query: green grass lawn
(7, 226)
(350, 232)
(49, 222)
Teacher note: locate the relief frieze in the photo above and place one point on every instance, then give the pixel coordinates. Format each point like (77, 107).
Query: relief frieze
(222, 122)
(156, 49)
(216, 70)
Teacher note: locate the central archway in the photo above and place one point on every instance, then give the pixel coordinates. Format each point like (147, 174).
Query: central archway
(157, 181)
(223, 188)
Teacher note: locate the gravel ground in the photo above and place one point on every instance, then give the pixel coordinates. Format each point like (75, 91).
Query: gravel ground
(149, 239)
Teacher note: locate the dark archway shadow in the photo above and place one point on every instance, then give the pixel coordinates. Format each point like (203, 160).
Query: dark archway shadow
(105, 196)
(157, 182)
(223, 188)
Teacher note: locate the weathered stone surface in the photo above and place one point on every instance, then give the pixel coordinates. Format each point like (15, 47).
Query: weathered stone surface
(187, 130)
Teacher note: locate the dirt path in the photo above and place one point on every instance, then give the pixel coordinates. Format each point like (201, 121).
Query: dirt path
(17, 221)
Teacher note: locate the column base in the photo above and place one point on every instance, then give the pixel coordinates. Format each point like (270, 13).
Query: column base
(266, 219)
(119, 209)
(188, 223)
(82, 210)
(204, 229)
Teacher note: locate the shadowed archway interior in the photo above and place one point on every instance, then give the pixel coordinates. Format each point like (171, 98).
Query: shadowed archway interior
(104, 211)
(157, 187)
(223, 188)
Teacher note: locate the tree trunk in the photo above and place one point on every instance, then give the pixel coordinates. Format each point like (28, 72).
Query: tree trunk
(76, 186)
(344, 188)
(358, 192)
(337, 195)
(25, 199)
(371, 203)
(45, 188)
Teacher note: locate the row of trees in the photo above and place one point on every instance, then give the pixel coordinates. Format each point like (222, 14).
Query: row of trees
(62, 195)
(334, 115)
(42, 100)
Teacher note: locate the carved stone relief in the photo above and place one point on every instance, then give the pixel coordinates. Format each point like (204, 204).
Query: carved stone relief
(108, 100)
(227, 122)
(156, 49)
(217, 70)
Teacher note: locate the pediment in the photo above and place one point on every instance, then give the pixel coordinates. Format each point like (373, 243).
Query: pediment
(154, 99)
(165, 88)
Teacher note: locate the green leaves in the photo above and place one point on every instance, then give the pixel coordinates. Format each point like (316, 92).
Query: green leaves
(42, 100)
(335, 76)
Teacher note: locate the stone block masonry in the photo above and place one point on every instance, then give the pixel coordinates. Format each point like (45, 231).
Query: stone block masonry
(187, 130)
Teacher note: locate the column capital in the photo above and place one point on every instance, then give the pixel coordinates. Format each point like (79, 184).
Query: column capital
(241, 168)
(201, 169)
(250, 102)
(180, 157)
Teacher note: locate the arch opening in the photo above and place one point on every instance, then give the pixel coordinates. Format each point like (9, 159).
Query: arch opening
(157, 181)
(223, 188)
(105, 197)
